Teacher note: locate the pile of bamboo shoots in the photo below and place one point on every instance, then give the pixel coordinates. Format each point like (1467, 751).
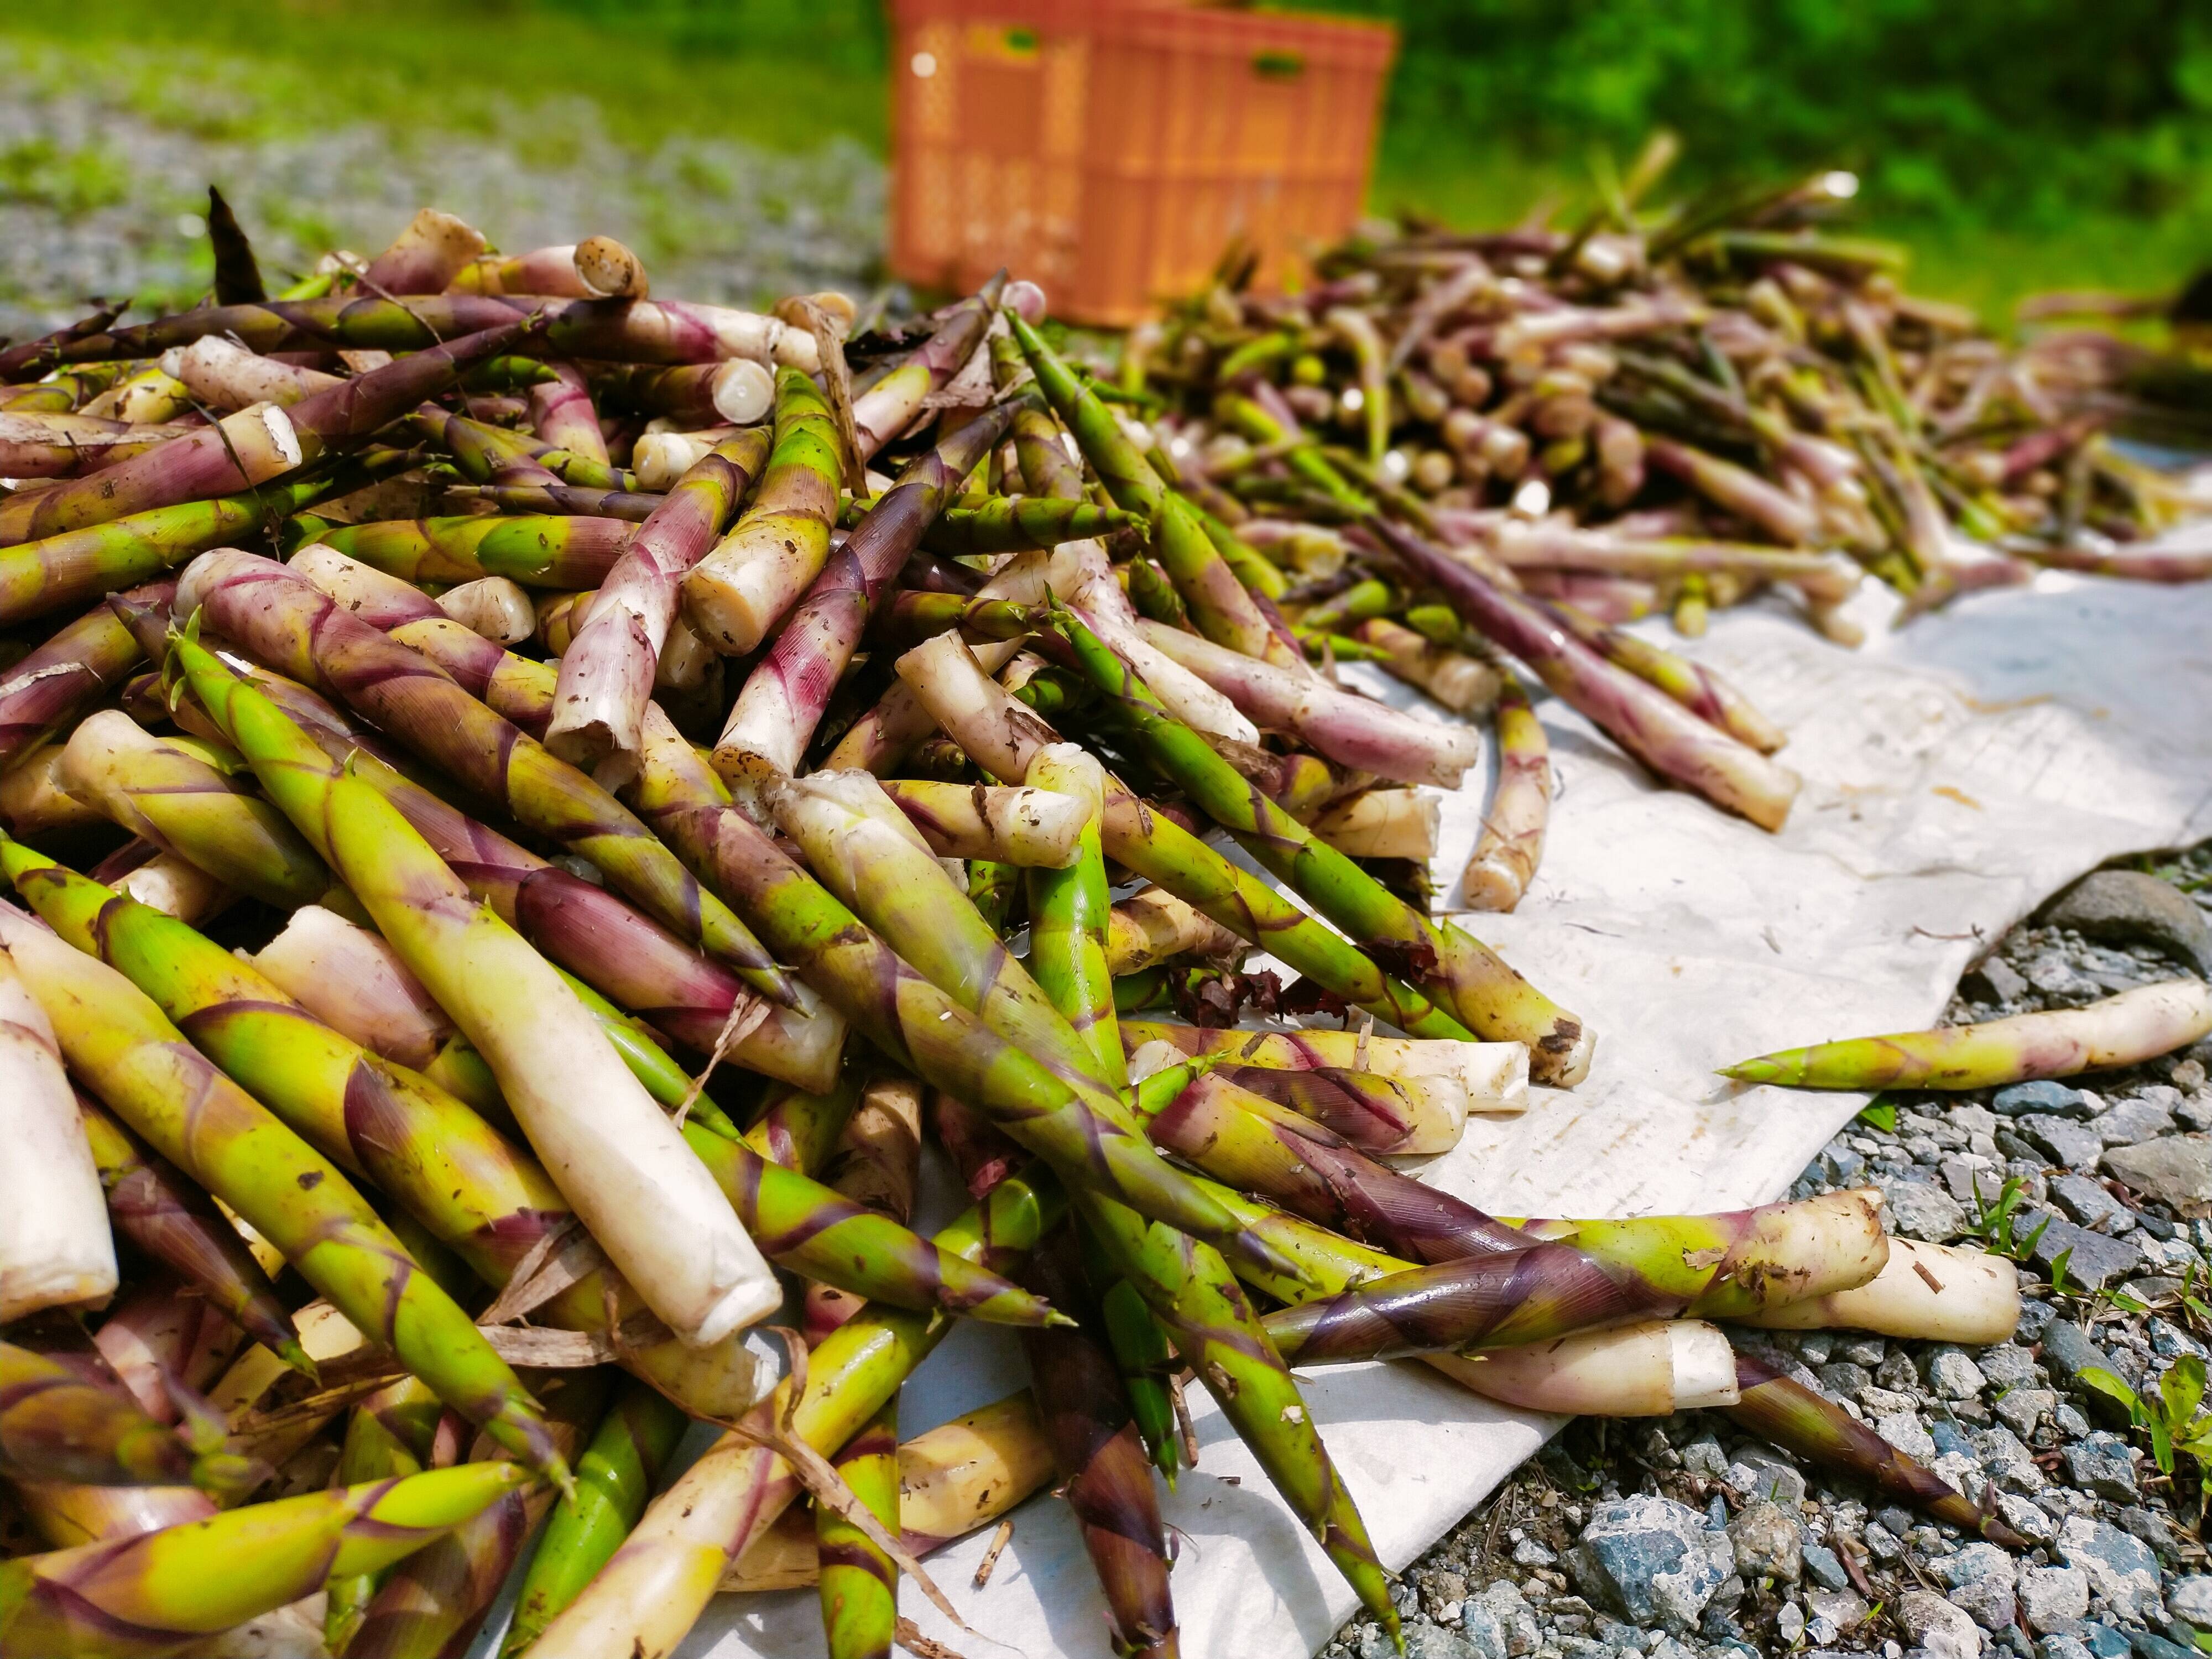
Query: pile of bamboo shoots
(529, 806)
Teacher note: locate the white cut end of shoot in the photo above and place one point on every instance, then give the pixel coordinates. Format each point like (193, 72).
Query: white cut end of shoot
(1924, 1292)
(1705, 1365)
(659, 459)
(1644, 1369)
(354, 982)
(610, 270)
(1439, 1107)
(763, 339)
(264, 440)
(743, 391)
(492, 606)
(55, 1248)
(175, 888)
(684, 662)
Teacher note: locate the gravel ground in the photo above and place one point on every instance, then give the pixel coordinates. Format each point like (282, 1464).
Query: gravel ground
(1678, 1537)
(102, 183)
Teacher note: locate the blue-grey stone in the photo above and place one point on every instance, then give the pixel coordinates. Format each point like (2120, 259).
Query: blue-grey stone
(1485, 1636)
(2139, 1523)
(1933, 1622)
(2086, 1202)
(1760, 1472)
(1824, 1569)
(2007, 1366)
(2122, 1569)
(2093, 1261)
(2127, 906)
(2053, 1598)
(2132, 1120)
(2176, 1170)
(2191, 1599)
(2008, 1461)
(1651, 1560)
(1949, 1438)
(1426, 1641)
(1840, 1165)
(1923, 1209)
(1953, 1376)
(2103, 1464)
(2068, 1351)
(1980, 1579)
(2021, 1409)
(2061, 1141)
(2041, 1096)
(2104, 1642)
(2167, 1339)
(1844, 1380)
(2030, 1519)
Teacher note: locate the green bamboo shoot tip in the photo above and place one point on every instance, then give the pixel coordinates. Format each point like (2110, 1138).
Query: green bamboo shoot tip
(2121, 1031)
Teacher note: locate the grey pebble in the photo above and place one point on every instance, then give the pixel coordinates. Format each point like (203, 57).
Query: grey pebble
(2133, 1120)
(2052, 1597)
(1768, 1543)
(2129, 905)
(2021, 1409)
(2104, 1464)
(2076, 1145)
(1980, 1578)
(1824, 1569)
(1923, 1209)
(2089, 1202)
(1650, 1560)
(2122, 1572)
(2176, 1170)
(2043, 1095)
(2093, 1261)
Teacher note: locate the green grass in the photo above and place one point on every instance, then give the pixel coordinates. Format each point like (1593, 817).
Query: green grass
(769, 72)
(245, 68)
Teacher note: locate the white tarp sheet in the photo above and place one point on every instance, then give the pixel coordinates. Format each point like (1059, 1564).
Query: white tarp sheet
(1955, 776)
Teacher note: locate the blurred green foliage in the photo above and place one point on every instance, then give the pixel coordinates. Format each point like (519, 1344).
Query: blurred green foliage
(2026, 115)
(847, 37)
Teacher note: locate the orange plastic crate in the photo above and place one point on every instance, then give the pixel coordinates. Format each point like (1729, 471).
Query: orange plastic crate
(1111, 152)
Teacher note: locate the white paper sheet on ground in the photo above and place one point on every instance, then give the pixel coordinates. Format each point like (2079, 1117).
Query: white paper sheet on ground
(1955, 776)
